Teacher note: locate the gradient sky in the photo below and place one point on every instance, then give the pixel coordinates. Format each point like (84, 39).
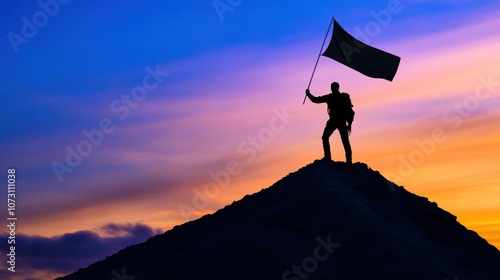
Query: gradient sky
(225, 116)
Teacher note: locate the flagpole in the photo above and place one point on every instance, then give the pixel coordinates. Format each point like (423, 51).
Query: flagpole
(317, 60)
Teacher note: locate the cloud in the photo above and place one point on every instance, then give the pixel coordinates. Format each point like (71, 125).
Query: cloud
(63, 254)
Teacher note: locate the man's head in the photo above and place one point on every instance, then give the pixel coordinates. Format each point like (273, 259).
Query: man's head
(335, 87)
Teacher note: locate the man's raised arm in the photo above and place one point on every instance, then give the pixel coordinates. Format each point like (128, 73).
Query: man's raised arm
(314, 99)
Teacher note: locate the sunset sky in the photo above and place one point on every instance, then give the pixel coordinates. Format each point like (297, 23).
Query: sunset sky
(190, 105)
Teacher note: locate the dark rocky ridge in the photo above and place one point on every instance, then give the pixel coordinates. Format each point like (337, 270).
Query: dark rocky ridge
(327, 220)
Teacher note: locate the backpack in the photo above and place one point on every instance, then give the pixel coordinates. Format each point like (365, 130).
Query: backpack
(347, 107)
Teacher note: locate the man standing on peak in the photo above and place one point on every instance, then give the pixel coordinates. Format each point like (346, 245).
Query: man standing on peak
(341, 117)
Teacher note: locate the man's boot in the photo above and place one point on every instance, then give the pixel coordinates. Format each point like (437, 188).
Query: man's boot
(348, 158)
(326, 150)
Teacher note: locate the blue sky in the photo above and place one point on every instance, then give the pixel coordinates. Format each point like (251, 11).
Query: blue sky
(90, 47)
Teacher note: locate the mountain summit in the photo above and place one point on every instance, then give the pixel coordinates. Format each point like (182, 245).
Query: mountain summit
(328, 220)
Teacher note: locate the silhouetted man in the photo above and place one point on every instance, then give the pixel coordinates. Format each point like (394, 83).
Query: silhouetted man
(338, 105)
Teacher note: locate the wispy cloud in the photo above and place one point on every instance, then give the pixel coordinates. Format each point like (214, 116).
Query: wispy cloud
(63, 254)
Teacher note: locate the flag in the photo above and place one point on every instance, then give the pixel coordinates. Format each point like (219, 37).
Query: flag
(361, 57)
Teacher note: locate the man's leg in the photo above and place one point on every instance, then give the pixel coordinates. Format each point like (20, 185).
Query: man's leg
(329, 129)
(344, 136)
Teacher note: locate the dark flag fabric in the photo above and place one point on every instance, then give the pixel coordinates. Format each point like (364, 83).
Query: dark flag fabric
(361, 57)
